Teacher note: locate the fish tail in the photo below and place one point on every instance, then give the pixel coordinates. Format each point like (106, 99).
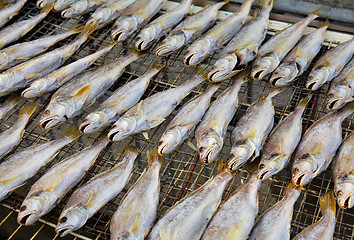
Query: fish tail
(266, 3)
(13, 99)
(244, 75)
(325, 24)
(153, 156)
(76, 28)
(274, 93)
(328, 202)
(246, 6)
(47, 8)
(158, 65)
(304, 102)
(135, 54)
(213, 87)
(129, 148)
(28, 109)
(345, 111)
(290, 187)
(202, 71)
(88, 29)
(72, 132)
(314, 15)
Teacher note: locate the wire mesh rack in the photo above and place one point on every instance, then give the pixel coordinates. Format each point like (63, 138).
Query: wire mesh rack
(181, 171)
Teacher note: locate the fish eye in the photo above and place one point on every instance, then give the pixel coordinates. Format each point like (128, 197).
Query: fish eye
(63, 220)
(159, 144)
(23, 208)
(310, 77)
(261, 166)
(201, 149)
(231, 156)
(339, 193)
(46, 112)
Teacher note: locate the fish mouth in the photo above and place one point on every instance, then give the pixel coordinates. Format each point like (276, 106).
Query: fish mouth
(142, 44)
(190, 59)
(51, 122)
(333, 104)
(119, 35)
(64, 230)
(26, 219)
(112, 135)
(206, 159)
(29, 93)
(347, 202)
(67, 13)
(300, 178)
(41, 4)
(258, 75)
(278, 82)
(265, 173)
(161, 148)
(84, 128)
(163, 50)
(217, 75)
(313, 85)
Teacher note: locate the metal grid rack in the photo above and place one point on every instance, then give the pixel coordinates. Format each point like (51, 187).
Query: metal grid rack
(181, 171)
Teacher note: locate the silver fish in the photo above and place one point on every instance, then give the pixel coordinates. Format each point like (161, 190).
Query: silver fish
(62, 4)
(185, 121)
(189, 29)
(10, 138)
(188, 218)
(235, 218)
(324, 228)
(9, 12)
(216, 37)
(251, 131)
(160, 26)
(62, 75)
(94, 194)
(48, 191)
(318, 146)
(43, 3)
(343, 173)
(119, 102)
(282, 142)
(21, 166)
(342, 88)
(275, 49)
(21, 52)
(9, 104)
(299, 58)
(108, 13)
(211, 131)
(83, 90)
(15, 31)
(153, 110)
(330, 65)
(137, 211)
(275, 222)
(243, 47)
(19, 76)
(135, 17)
(80, 7)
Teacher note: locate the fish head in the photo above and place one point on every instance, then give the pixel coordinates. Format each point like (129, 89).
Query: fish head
(122, 128)
(75, 9)
(240, 152)
(169, 141)
(209, 147)
(123, 28)
(284, 74)
(304, 170)
(53, 116)
(338, 96)
(170, 44)
(4, 59)
(344, 191)
(71, 219)
(62, 4)
(146, 37)
(196, 52)
(94, 122)
(270, 165)
(222, 68)
(36, 88)
(318, 76)
(8, 79)
(245, 56)
(33, 207)
(263, 65)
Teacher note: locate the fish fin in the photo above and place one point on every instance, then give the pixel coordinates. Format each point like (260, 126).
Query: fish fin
(10, 179)
(76, 28)
(88, 29)
(281, 47)
(53, 186)
(138, 108)
(129, 148)
(158, 65)
(91, 200)
(243, 74)
(304, 102)
(73, 132)
(47, 8)
(298, 52)
(153, 156)
(94, 100)
(146, 135)
(33, 75)
(244, 44)
(274, 93)
(84, 92)
(203, 71)
(137, 222)
(118, 102)
(255, 46)
(64, 79)
(188, 123)
(252, 133)
(14, 99)
(328, 201)
(326, 63)
(318, 149)
(221, 166)
(328, 158)
(28, 109)
(214, 123)
(156, 121)
(316, 11)
(191, 145)
(325, 24)
(234, 232)
(266, 3)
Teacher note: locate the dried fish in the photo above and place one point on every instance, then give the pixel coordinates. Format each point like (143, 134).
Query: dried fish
(62, 4)
(189, 29)
(44, 3)
(9, 12)
(80, 7)
(9, 103)
(216, 37)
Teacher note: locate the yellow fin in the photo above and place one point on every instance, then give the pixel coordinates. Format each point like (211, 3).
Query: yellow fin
(90, 200)
(318, 149)
(118, 102)
(156, 121)
(298, 52)
(326, 63)
(53, 186)
(136, 224)
(266, 3)
(76, 28)
(325, 24)
(85, 90)
(252, 133)
(13, 99)
(153, 156)
(188, 123)
(48, 8)
(328, 201)
(316, 11)
(158, 65)
(11, 179)
(28, 109)
(73, 132)
(129, 148)
(33, 75)
(234, 232)
(191, 145)
(221, 166)
(245, 44)
(281, 47)
(304, 101)
(138, 108)
(146, 135)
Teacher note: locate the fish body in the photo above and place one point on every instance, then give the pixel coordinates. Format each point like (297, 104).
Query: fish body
(318, 146)
(185, 121)
(282, 142)
(119, 102)
(235, 218)
(43, 3)
(160, 26)
(211, 131)
(299, 58)
(243, 47)
(80, 7)
(107, 13)
(275, 222)
(330, 65)
(216, 37)
(343, 173)
(15, 31)
(21, 166)
(188, 218)
(251, 130)
(19, 76)
(135, 17)
(48, 191)
(189, 29)
(342, 88)
(9, 12)
(275, 49)
(62, 4)
(82, 91)
(324, 228)
(9, 104)
(153, 110)
(137, 211)
(21, 52)
(57, 78)
(94, 194)
(10, 138)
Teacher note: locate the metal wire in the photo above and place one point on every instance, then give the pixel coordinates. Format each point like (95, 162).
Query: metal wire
(181, 171)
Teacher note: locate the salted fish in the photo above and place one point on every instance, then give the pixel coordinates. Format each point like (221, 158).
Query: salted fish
(62, 4)
(9, 104)
(9, 12)
(80, 7)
